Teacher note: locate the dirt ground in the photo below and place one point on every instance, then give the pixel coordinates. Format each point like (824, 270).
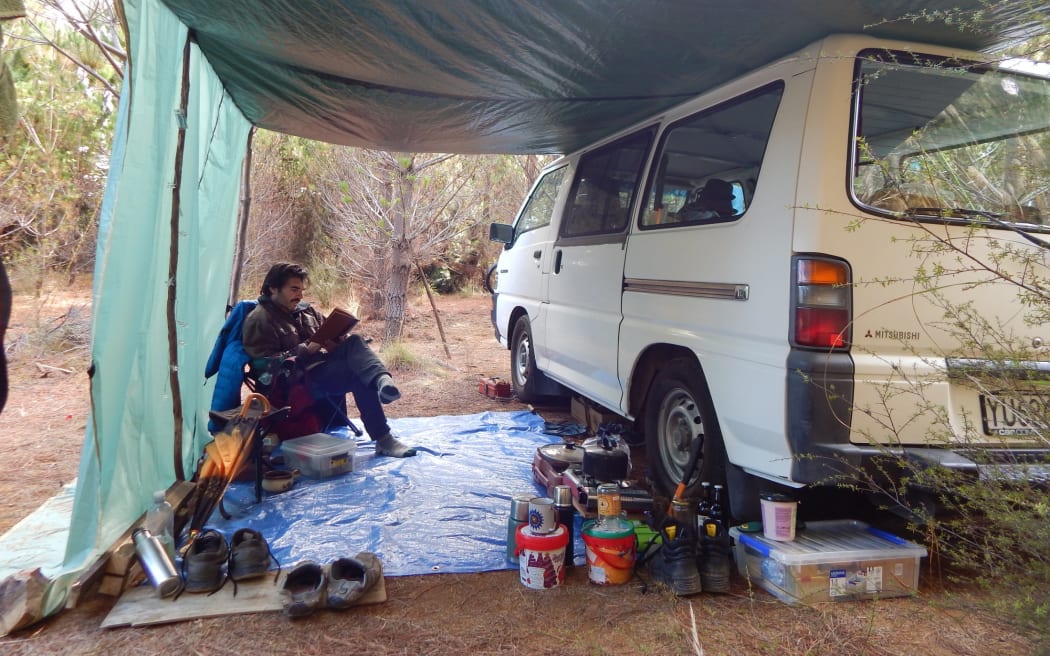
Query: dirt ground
(42, 427)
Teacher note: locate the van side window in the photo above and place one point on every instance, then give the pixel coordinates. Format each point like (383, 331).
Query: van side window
(709, 162)
(605, 186)
(537, 212)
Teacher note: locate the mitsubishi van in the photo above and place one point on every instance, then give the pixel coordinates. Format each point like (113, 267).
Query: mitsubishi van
(826, 265)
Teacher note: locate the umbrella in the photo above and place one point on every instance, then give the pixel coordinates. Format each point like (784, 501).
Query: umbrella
(223, 458)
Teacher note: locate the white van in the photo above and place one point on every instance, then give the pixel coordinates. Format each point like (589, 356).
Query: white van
(798, 266)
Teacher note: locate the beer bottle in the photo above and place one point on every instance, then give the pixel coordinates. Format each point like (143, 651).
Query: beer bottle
(718, 512)
(703, 511)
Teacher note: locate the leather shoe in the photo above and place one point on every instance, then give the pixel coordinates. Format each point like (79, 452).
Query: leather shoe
(303, 590)
(349, 579)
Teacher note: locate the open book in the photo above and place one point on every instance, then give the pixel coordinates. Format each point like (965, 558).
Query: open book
(335, 325)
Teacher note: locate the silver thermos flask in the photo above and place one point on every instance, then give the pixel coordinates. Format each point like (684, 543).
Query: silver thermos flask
(156, 563)
(567, 516)
(519, 516)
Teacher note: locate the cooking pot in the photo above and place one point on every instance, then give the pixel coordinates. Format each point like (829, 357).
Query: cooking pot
(561, 456)
(605, 461)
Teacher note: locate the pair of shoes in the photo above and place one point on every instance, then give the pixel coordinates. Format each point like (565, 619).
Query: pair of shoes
(202, 567)
(388, 445)
(350, 578)
(713, 560)
(338, 586)
(388, 392)
(674, 564)
(250, 556)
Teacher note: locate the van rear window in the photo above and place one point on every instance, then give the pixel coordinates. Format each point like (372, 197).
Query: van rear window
(950, 140)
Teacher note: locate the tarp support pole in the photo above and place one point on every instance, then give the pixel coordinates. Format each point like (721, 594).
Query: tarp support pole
(242, 223)
(173, 263)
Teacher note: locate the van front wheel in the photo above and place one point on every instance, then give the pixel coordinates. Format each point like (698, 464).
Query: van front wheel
(678, 410)
(523, 372)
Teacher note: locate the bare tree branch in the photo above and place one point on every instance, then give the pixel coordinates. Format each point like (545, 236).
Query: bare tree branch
(71, 57)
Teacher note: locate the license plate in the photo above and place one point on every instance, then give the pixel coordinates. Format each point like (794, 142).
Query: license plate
(1015, 413)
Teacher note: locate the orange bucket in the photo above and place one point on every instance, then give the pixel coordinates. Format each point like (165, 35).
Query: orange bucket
(610, 557)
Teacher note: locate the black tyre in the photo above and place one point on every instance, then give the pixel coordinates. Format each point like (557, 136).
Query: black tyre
(523, 373)
(678, 410)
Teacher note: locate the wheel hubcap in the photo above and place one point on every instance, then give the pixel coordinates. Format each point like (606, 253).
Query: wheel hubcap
(521, 362)
(680, 423)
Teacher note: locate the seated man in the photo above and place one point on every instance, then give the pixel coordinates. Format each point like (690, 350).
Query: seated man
(713, 201)
(281, 327)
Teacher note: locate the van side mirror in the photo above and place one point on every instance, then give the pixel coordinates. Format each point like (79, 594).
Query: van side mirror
(501, 232)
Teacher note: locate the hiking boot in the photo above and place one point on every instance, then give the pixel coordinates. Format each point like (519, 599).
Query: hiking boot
(303, 590)
(349, 579)
(388, 445)
(202, 568)
(249, 555)
(674, 564)
(713, 561)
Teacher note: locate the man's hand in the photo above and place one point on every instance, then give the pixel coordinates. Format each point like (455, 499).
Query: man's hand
(312, 347)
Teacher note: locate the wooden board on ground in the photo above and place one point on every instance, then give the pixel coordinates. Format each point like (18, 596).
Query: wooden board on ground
(140, 606)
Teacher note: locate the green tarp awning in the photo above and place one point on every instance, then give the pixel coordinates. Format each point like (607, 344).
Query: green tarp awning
(523, 76)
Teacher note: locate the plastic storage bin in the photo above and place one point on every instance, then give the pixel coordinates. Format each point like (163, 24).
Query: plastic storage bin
(319, 455)
(837, 560)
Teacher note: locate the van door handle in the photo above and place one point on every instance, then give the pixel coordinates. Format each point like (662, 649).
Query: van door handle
(557, 261)
(537, 255)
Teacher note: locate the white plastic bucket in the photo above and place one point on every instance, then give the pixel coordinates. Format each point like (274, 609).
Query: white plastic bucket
(541, 557)
(778, 517)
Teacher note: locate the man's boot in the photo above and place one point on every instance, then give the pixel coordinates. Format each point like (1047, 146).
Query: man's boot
(674, 564)
(714, 557)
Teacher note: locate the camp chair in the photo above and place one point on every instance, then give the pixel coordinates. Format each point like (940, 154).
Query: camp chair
(235, 370)
(283, 385)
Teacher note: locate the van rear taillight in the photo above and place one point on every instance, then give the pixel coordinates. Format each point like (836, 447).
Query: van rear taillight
(821, 305)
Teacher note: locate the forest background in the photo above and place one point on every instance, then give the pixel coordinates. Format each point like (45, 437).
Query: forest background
(367, 223)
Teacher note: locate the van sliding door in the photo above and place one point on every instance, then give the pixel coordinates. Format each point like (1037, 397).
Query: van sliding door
(586, 278)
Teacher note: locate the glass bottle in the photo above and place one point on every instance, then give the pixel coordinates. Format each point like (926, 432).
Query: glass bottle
(610, 515)
(703, 511)
(160, 522)
(718, 512)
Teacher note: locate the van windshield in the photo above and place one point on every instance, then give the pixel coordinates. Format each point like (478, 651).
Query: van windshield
(949, 139)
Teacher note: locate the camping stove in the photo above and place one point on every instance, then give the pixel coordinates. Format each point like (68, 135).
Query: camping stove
(633, 498)
(546, 474)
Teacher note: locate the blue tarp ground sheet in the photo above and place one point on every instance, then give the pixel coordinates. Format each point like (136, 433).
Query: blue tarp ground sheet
(443, 511)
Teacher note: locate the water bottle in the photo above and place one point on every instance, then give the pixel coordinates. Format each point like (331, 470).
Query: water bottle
(519, 516)
(566, 516)
(160, 522)
(155, 562)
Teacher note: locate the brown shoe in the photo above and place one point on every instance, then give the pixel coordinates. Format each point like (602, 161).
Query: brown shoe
(303, 590)
(349, 579)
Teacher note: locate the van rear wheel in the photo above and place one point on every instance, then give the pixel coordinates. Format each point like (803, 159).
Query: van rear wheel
(678, 410)
(523, 373)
